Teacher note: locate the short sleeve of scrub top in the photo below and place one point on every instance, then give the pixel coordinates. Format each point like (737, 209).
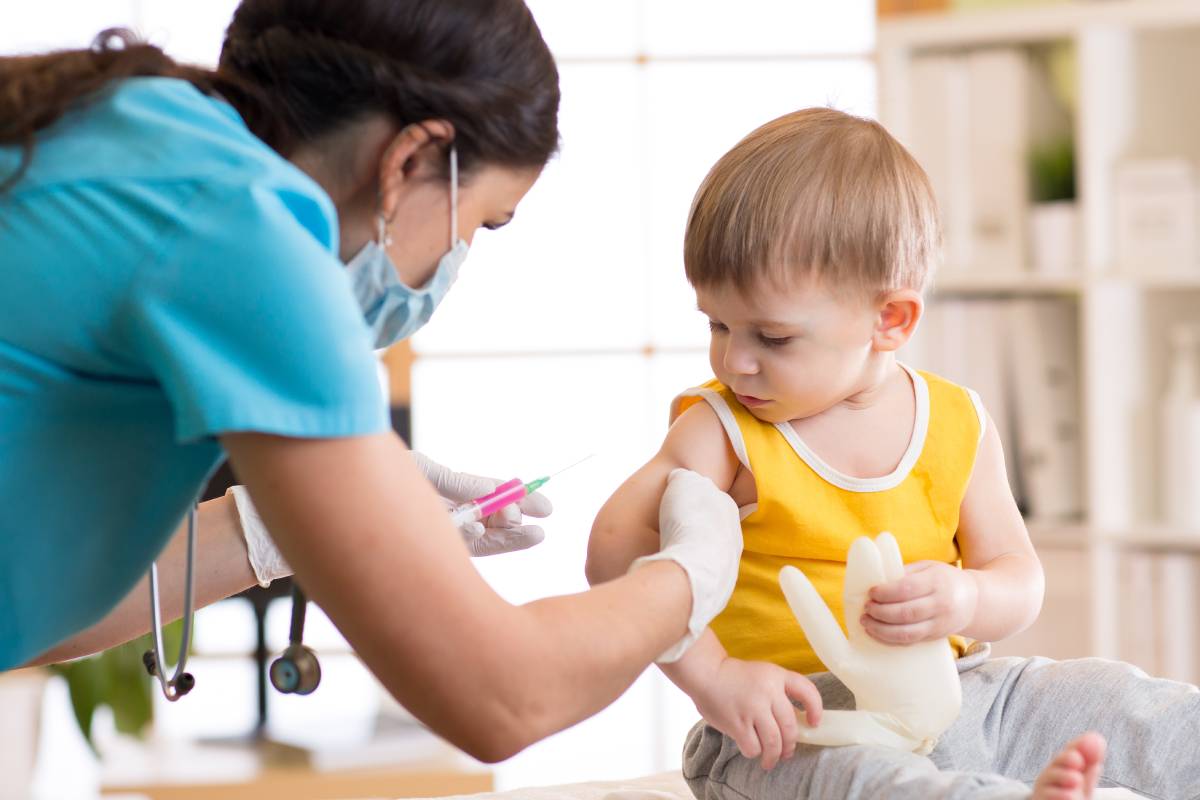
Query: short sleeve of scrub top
(167, 279)
(247, 322)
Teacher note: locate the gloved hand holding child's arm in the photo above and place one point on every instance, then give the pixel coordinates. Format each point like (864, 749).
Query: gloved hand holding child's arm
(502, 532)
(749, 701)
(699, 529)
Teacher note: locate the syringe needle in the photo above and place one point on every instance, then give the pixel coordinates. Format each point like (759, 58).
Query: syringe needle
(569, 466)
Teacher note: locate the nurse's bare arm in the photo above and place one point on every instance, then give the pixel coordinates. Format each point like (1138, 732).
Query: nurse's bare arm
(222, 569)
(627, 525)
(372, 544)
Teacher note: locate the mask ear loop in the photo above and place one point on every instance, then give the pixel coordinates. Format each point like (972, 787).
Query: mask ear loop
(383, 235)
(453, 196)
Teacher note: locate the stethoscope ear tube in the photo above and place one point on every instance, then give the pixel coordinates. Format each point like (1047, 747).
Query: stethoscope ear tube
(181, 682)
(296, 671)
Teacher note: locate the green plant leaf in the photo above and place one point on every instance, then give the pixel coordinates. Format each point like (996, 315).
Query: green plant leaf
(1052, 171)
(117, 678)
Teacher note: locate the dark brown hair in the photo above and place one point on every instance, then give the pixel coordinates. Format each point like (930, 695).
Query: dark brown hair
(815, 194)
(298, 69)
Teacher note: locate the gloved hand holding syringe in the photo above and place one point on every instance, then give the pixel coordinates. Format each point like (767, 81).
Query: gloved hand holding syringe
(504, 495)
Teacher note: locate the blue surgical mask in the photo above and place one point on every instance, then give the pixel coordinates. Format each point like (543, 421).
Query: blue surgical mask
(394, 311)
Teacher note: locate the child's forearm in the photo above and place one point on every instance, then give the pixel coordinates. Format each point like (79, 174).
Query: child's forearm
(699, 664)
(1009, 596)
(609, 555)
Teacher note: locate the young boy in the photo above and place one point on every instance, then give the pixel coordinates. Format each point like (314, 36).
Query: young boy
(810, 245)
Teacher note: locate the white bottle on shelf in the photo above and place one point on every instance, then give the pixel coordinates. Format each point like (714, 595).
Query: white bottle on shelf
(1181, 431)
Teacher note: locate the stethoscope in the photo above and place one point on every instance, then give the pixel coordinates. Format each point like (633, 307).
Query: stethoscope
(296, 671)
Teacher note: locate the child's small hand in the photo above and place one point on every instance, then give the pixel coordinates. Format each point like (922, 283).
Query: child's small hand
(750, 701)
(931, 601)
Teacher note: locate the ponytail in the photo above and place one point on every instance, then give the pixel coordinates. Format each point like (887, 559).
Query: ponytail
(36, 90)
(296, 70)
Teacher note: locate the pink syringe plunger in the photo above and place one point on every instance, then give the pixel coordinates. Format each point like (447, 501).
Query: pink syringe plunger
(505, 494)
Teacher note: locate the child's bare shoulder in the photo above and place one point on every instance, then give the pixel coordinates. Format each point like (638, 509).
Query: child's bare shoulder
(696, 440)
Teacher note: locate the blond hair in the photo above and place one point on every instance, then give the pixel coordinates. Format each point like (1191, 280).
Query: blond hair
(815, 194)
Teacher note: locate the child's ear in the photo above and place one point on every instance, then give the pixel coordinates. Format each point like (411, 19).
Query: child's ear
(899, 313)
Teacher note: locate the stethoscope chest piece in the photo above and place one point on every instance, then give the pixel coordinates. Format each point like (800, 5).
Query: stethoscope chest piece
(297, 670)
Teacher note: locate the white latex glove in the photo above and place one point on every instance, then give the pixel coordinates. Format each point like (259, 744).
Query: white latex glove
(502, 532)
(905, 696)
(699, 529)
(265, 558)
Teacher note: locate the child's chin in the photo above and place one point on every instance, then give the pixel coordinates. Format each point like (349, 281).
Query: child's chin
(771, 412)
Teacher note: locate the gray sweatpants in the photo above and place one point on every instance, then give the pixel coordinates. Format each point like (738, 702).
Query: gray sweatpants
(1017, 713)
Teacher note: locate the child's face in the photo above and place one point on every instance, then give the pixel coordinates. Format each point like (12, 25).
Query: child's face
(788, 353)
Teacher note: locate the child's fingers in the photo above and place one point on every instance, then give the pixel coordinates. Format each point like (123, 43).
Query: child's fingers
(803, 691)
(746, 738)
(897, 634)
(769, 738)
(785, 718)
(909, 587)
(903, 613)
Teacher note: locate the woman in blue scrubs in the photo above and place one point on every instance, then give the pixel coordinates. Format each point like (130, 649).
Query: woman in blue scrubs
(197, 264)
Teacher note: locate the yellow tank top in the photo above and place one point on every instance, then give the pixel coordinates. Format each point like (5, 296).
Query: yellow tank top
(807, 513)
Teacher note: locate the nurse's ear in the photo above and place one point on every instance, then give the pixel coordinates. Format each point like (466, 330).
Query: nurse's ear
(413, 155)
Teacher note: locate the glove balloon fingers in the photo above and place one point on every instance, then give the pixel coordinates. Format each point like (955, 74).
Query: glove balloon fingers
(889, 552)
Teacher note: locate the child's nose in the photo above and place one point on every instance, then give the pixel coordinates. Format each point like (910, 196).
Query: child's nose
(740, 360)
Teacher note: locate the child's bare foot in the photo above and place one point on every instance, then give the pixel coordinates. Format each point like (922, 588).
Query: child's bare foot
(1073, 773)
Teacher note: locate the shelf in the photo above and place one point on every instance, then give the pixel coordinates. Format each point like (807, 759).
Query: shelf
(1155, 537)
(1162, 280)
(962, 282)
(1058, 533)
(1035, 24)
(1150, 536)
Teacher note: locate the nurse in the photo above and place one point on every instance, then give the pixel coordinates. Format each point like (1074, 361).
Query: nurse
(196, 264)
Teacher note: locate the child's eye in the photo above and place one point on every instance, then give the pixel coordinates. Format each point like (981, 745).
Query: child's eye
(772, 342)
(716, 327)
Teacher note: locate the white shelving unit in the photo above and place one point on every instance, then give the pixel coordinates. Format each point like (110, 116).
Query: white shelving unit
(1137, 64)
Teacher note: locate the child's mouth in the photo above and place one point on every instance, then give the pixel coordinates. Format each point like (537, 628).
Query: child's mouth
(750, 401)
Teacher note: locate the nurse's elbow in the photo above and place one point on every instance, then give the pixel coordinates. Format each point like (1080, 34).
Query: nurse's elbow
(499, 733)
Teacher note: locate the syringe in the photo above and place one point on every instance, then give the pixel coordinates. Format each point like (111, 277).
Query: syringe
(505, 494)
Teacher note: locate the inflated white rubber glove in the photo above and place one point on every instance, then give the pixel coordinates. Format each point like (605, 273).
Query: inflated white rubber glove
(699, 529)
(502, 532)
(905, 695)
(265, 558)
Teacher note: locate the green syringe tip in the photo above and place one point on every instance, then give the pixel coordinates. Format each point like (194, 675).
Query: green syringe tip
(534, 485)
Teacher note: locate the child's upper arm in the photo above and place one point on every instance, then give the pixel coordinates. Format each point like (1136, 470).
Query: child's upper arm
(989, 524)
(627, 525)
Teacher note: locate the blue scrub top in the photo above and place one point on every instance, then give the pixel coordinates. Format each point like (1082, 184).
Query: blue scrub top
(165, 277)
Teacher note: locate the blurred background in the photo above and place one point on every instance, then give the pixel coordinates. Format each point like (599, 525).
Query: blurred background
(1062, 139)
